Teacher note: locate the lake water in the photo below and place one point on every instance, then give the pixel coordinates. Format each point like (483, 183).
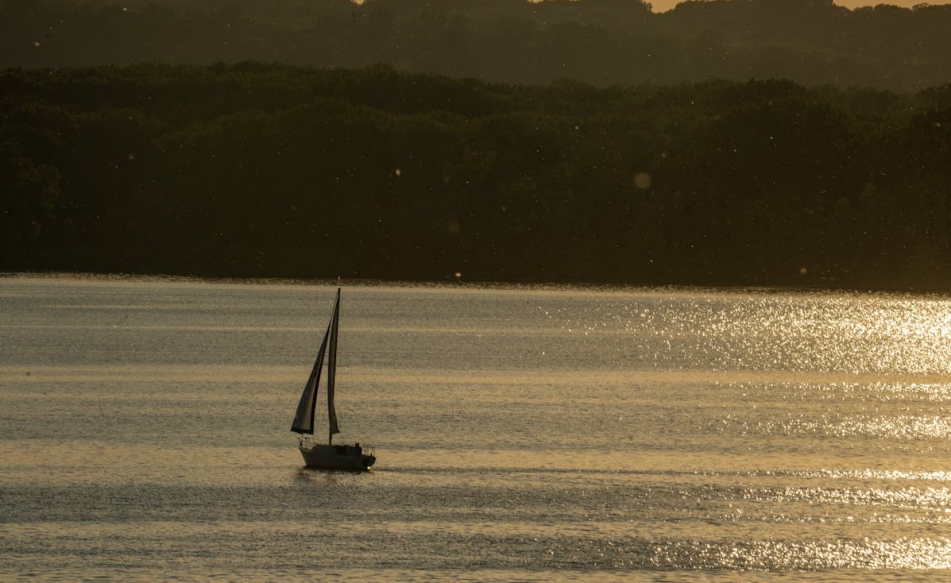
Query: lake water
(521, 434)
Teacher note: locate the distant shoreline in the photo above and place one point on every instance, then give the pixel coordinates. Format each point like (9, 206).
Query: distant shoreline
(494, 285)
(900, 46)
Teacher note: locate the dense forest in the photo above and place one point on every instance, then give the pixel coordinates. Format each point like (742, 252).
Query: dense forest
(267, 170)
(599, 42)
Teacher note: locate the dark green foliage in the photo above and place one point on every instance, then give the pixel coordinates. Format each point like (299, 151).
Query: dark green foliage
(256, 170)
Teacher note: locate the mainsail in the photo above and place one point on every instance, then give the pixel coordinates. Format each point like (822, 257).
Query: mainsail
(332, 369)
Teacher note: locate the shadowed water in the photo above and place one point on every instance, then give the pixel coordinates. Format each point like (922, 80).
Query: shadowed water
(521, 434)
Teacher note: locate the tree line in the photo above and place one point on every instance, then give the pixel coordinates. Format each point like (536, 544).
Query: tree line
(600, 42)
(265, 170)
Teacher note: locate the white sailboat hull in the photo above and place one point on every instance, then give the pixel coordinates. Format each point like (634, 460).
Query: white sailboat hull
(336, 457)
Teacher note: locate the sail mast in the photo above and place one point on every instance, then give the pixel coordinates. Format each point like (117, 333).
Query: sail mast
(332, 370)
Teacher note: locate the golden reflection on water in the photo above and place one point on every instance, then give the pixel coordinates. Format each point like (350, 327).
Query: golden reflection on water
(827, 332)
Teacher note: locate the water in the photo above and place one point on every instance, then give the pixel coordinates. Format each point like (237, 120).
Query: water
(521, 434)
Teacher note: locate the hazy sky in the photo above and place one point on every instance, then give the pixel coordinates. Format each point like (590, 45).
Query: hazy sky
(664, 5)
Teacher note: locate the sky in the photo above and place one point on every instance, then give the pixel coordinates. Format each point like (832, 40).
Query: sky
(665, 5)
(902, 3)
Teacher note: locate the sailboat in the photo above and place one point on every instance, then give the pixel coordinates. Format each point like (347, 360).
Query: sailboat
(318, 455)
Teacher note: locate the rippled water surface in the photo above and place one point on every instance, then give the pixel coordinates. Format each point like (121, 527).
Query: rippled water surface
(521, 434)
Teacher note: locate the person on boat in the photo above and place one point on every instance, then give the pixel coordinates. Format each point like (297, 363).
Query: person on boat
(359, 449)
